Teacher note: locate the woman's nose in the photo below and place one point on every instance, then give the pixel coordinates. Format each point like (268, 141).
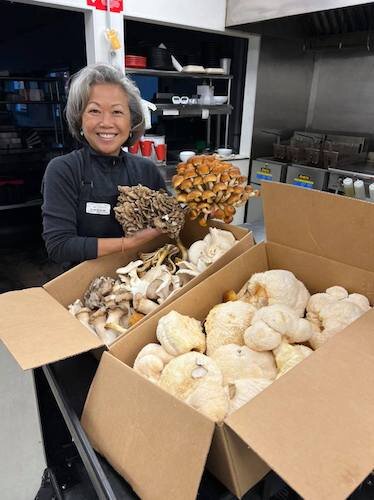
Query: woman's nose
(106, 119)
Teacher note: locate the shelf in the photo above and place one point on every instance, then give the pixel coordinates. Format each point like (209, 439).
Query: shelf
(27, 204)
(60, 103)
(191, 109)
(175, 74)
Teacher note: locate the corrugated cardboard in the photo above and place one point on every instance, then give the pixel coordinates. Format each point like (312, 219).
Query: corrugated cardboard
(38, 329)
(313, 426)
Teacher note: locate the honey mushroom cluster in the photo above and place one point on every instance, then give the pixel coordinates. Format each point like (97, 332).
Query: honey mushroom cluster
(211, 188)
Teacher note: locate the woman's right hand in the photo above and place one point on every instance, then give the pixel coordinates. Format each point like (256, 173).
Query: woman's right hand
(140, 237)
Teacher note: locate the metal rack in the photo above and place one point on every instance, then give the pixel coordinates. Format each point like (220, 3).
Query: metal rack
(194, 110)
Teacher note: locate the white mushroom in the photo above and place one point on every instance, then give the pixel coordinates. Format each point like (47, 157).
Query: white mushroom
(183, 374)
(237, 362)
(179, 334)
(98, 320)
(143, 305)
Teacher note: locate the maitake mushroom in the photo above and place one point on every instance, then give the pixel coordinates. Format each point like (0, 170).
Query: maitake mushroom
(139, 207)
(211, 188)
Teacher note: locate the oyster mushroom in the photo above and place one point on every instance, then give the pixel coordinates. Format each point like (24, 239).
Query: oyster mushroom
(98, 320)
(186, 272)
(81, 313)
(96, 291)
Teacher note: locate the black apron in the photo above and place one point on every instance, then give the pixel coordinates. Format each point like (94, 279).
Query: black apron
(104, 223)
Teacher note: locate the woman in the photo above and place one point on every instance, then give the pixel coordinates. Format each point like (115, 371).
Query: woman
(79, 189)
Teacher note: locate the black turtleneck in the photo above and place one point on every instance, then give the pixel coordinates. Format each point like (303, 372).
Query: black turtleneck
(62, 188)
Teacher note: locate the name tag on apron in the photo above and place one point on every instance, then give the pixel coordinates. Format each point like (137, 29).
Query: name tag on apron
(97, 208)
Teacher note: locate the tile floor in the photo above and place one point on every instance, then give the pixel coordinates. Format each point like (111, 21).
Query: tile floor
(22, 458)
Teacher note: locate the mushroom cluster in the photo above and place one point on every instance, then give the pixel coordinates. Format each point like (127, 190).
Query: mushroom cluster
(110, 306)
(210, 188)
(245, 343)
(140, 207)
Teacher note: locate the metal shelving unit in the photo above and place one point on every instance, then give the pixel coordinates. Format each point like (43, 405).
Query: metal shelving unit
(175, 111)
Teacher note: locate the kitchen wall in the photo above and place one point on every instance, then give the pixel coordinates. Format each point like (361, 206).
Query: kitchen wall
(283, 89)
(342, 97)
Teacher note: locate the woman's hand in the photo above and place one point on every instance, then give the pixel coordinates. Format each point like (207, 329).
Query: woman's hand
(106, 246)
(141, 237)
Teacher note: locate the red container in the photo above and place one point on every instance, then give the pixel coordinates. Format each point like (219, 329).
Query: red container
(134, 148)
(146, 148)
(161, 152)
(135, 61)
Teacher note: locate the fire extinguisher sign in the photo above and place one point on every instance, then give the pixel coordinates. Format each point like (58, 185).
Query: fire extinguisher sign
(115, 5)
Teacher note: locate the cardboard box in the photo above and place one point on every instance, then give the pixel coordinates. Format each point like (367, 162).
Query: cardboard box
(313, 426)
(36, 326)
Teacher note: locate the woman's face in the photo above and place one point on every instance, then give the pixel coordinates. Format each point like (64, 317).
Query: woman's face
(106, 119)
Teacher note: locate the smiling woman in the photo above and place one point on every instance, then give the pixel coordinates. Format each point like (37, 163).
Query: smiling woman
(80, 189)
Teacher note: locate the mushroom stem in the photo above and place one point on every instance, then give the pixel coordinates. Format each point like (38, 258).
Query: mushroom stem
(182, 248)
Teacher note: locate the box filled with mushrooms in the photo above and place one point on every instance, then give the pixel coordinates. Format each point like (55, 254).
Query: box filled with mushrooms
(267, 363)
(109, 295)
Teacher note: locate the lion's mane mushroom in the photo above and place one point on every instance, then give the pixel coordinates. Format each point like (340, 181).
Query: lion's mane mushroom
(332, 311)
(226, 324)
(179, 334)
(277, 286)
(211, 188)
(183, 374)
(151, 360)
(272, 323)
(238, 362)
(139, 207)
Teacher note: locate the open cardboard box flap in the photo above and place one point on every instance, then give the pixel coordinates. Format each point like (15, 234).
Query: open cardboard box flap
(38, 330)
(332, 381)
(127, 419)
(316, 222)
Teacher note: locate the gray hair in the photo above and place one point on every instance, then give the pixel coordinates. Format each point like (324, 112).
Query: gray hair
(79, 92)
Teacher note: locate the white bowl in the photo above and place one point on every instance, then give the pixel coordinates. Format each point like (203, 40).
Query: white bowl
(224, 151)
(219, 99)
(186, 155)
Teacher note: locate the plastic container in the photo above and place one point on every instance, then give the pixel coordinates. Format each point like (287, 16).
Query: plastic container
(371, 191)
(359, 188)
(348, 187)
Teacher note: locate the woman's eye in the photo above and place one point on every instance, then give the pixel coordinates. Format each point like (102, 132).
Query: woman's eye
(118, 112)
(94, 111)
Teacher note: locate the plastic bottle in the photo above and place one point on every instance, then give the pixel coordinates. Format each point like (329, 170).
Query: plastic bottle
(359, 187)
(371, 191)
(348, 187)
